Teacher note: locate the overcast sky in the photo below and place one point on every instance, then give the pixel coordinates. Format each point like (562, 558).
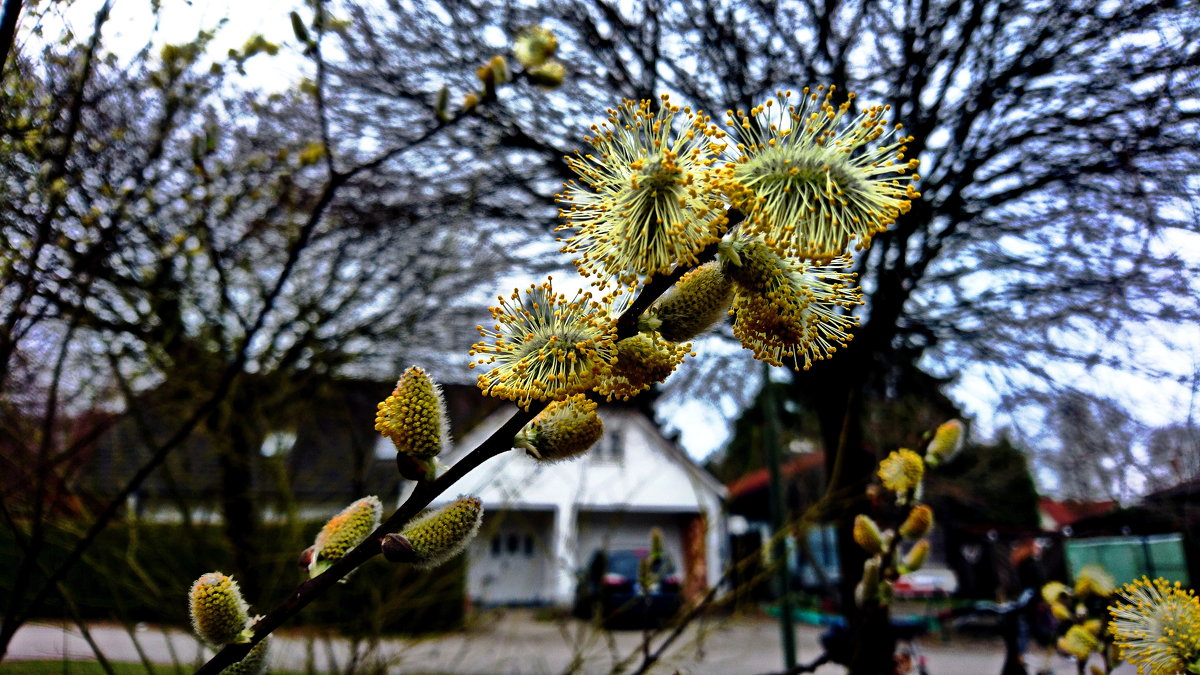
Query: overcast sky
(703, 425)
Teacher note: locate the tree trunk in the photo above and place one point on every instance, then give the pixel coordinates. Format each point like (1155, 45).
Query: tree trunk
(835, 391)
(237, 451)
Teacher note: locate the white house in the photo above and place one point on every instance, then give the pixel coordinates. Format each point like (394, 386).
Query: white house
(543, 521)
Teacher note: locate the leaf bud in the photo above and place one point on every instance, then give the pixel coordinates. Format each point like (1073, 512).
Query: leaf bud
(564, 430)
(219, 613)
(397, 549)
(345, 531)
(300, 29)
(306, 557)
(411, 468)
(918, 522)
(443, 103)
(444, 533)
(867, 535)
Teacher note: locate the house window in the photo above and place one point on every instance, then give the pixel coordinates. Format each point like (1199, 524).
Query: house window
(610, 448)
(512, 544)
(278, 443)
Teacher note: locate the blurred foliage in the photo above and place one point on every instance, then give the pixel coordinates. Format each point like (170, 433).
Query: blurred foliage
(985, 486)
(141, 572)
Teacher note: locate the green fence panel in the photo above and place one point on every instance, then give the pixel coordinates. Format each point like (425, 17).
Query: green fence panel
(1129, 558)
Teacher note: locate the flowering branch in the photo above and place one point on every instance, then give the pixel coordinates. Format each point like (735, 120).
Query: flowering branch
(425, 492)
(648, 208)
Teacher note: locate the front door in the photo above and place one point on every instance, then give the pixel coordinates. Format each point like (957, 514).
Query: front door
(509, 559)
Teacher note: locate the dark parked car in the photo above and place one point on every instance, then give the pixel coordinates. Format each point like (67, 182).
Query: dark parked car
(610, 588)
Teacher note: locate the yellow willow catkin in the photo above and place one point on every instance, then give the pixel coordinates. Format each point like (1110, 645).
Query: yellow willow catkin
(918, 522)
(866, 534)
(444, 533)
(869, 588)
(1079, 642)
(902, 470)
(811, 180)
(945, 444)
(535, 46)
(1094, 580)
(1054, 591)
(915, 559)
(696, 303)
(642, 362)
(548, 75)
(345, 531)
(1156, 625)
(564, 430)
(413, 417)
(219, 613)
(543, 345)
(643, 203)
(255, 663)
(789, 310)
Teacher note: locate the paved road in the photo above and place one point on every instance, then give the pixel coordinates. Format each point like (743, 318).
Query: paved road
(511, 641)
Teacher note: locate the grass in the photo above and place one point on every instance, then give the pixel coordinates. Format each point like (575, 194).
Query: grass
(80, 668)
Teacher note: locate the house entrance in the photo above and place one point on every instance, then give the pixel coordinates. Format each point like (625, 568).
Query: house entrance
(510, 559)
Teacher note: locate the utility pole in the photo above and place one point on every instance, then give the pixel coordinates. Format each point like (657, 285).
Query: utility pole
(779, 548)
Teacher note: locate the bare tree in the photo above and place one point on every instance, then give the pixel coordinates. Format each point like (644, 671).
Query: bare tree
(1174, 455)
(1057, 142)
(177, 252)
(1056, 139)
(1095, 452)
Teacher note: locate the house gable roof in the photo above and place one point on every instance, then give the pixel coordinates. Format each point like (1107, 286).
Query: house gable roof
(654, 474)
(1056, 514)
(757, 480)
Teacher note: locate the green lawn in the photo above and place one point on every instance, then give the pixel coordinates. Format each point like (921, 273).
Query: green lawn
(80, 667)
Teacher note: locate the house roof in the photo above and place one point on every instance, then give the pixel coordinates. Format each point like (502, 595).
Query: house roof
(1186, 489)
(757, 480)
(653, 474)
(1069, 511)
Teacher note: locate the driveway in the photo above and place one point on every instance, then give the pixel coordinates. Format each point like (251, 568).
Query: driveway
(510, 641)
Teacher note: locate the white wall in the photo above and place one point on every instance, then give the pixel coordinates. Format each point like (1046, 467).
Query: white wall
(650, 481)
